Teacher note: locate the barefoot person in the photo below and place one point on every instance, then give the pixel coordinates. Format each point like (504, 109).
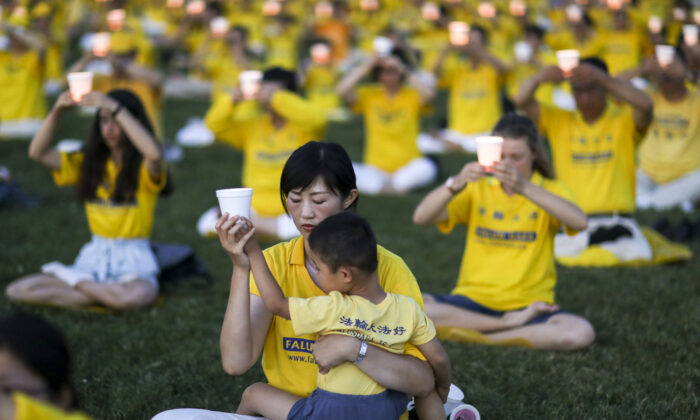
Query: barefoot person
(506, 282)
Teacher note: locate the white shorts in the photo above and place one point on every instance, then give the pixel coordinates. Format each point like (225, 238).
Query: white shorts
(625, 248)
(104, 260)
(415, 174)
(679, 192)
(429, 144)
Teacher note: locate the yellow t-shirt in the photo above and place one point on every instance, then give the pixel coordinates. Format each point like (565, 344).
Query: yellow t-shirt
(265, 149)
(595, 161)
(671, 148)
(282, 50)
(475, 102)
(21, 86)
(391, 125)
(508, 260)
(391, 324)
(565, 39)
(27, 408)
(287, 359)
(623, 50)
(320, 87)
(105, 218)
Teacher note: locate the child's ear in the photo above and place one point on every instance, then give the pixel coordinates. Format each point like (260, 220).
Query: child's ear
(346, 272)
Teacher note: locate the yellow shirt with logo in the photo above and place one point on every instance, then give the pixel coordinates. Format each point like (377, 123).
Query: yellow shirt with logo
(390, 324)
(287, 358)
(266, 149)
(595, 161)
(475, 102)
(21, 86)
(27, 408)
(508, 260)
(105, 218)
(392, 125)
(623, 50)
(320, 87)
(671, 148)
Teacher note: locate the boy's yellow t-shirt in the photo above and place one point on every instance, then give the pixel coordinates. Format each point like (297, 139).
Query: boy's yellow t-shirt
(265, 149)
(475, 102)
(671, 148)
(21, 86)
(508, 260)
(595, 161)
(391, 324)
(105, 218)
(27, 408)
(391, 125)
(287, 358)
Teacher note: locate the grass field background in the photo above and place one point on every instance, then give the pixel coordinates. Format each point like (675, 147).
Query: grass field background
(643, 365)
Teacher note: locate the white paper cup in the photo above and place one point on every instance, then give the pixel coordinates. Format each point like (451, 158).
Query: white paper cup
(219, 26)
(235, 201)
(522, 51)
(664, 54)
(195, 7)
(323, 10)
(115, 19)
(320, 53)
(79, 84)
(454, 399)
(486, 10)
(655, 24)
(517, 7)
(430, 11)
(459, 33)
(250, 81)
(100, 43)
(690, 35)
(574, 13)
(271, 8)
(382, 45)
(175, 3)
(488, 150)
(567, 60)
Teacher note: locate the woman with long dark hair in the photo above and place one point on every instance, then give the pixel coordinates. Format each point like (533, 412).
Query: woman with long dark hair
(118, 174)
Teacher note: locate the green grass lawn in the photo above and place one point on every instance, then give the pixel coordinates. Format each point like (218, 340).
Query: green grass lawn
(643, 364)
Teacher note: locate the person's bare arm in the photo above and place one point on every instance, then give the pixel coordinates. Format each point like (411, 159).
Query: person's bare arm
(440, 363)
(40, 149)
(525, 98)
(346, 86)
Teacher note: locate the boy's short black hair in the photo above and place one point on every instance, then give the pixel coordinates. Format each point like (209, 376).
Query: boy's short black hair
(287, 78)
(345, 239)
(596, 62)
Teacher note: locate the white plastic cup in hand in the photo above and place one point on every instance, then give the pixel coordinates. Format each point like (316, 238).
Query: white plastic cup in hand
(454, 398)
(195, 7)
(655, 24)
(690, 34)
(523, 51)
(664, 55)
(459, 33)
(250, 81)
(235, 201)
(219, 26)
(320, 53)
(115, 19)
(615, 4)
(175, 3)
(382, 46)
(574, 13)
(100, 43)
(430, 11)
(486, 10)
(369, 5)
(488, 150)
(271, 8)
(517, 8)
(79, 84)
(567, 60)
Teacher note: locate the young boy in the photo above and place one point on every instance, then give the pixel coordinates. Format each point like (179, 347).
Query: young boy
(344, 253)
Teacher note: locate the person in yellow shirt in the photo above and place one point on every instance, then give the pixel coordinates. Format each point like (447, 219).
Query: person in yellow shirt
(507, 278)
(35, 371)
(356, 306)
(118, 174)
(391, 108)
(593, 153)
(669, 156)
(624, 44)
(280, 122)
(317, 182)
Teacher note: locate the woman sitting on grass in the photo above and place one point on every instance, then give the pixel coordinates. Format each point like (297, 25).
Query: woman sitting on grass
(118, 174)
(506, 282)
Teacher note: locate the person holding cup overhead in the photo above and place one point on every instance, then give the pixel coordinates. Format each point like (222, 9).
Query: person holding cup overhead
(118, 173)
(512, 217)
(281, 122)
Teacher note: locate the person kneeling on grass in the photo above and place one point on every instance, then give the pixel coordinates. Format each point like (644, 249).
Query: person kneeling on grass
(344, 253)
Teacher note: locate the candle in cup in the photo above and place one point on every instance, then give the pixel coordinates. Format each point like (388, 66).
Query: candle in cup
(250, 81)
(115, 19)
(79, 84)
(219, 26)
(517, 8)
(271, 8)
(567, 60)
(655, 24)
(382, 46)
(664, 55)
(430, 11)
(100, 44)
(175, 3)
(488, 150)
(574, 13)
(486, 10)
(320, 53)
(615, 4)
(459, 33)
(690, 35)
(324, 10)
(369, 5)
(196, 7)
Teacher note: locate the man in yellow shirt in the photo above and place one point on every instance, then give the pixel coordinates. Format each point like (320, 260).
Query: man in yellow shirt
(593, 154)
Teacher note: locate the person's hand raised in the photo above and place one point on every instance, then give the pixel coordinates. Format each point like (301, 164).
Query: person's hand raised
(512, 181)
(65, 100)
(234, 234)
(551, 74)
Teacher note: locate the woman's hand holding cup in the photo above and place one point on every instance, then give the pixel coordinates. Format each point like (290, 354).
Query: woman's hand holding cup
(234, 234)
(511, 179)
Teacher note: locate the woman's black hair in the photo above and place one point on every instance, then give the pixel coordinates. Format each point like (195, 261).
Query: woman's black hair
(287, 78)
(516, 126)
(327, 160)
(40, 347)
(96, 152)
